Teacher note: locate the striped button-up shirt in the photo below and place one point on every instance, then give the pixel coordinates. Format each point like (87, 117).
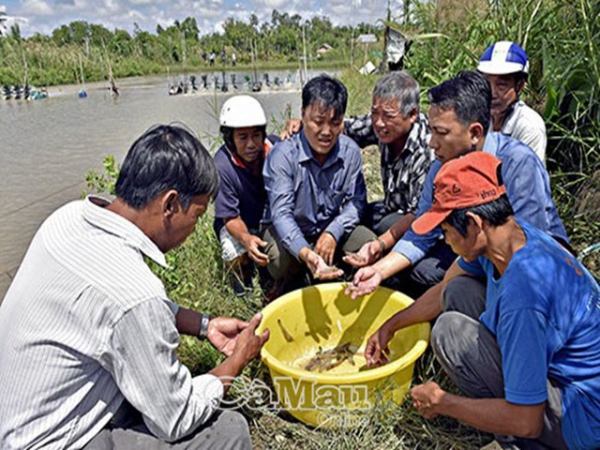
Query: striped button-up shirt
(84, 326)
(403, 175)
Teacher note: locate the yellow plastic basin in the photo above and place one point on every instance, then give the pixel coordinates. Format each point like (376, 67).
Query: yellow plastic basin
(323, 317)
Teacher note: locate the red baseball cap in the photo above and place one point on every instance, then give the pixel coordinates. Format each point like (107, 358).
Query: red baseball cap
(471, 180)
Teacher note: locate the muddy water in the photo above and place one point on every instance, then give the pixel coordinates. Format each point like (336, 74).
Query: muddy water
(47, 146)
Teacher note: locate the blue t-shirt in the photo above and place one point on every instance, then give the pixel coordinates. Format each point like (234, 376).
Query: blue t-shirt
(545, 313)
(527, 187)
(241, 191)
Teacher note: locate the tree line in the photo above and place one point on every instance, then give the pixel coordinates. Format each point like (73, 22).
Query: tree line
(55, 58)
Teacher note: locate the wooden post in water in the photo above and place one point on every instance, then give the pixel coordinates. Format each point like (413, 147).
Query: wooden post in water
(305, 78)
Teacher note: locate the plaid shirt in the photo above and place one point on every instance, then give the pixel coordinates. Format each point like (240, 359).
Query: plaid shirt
(404, 175)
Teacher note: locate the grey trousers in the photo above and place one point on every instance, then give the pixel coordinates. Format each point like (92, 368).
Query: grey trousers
(226, 430)
(471, 357)
(282, 263)
(378, 219)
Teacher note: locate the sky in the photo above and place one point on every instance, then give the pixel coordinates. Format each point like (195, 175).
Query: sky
(43, 16)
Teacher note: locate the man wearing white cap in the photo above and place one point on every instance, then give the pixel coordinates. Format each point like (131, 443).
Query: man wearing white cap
(507, 67)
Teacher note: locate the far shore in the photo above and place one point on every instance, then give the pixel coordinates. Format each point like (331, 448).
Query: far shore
(138, 82)
(177, 73)
(65, 89)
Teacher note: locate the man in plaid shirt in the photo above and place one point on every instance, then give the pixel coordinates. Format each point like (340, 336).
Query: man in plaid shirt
(402, 134)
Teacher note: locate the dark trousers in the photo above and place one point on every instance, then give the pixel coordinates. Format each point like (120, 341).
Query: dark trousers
(426, 273)
(378, 218)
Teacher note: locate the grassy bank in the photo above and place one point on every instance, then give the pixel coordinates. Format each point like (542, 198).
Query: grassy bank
(199, 281)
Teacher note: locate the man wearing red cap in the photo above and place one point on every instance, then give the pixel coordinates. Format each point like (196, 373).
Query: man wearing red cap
(527, 357)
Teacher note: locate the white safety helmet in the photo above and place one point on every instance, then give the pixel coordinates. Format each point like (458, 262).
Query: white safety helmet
(502, 58)
(241, 111)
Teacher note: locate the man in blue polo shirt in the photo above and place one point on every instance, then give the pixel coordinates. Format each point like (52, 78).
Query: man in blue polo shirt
(529, 359)
(459, 118)
(316, 189)
(241, 199)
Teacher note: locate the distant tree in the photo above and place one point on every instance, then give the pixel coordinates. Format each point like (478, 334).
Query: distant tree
(62, 36)
(99, 35)
(320, 31)
(284, 20)
(147, 45)
(190, 29)
(237, 33)
(121, 42)
(80, 31)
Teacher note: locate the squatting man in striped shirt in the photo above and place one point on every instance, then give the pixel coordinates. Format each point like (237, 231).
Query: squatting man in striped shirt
(88, 334)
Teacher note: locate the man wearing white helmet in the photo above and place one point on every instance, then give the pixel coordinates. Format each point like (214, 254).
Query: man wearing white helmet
(241, 199)
(506, 66)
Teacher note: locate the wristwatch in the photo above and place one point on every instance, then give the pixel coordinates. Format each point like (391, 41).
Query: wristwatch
(204, 320)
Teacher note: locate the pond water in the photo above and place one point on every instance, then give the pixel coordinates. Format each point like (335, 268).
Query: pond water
(47, 146)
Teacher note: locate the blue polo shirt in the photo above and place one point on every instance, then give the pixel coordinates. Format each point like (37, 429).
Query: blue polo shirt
(307, 198)
(241, 191)
(545, 313)
(527, 187)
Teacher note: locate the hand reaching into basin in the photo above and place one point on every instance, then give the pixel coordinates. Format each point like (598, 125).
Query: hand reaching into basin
(376, 350)
(318, 267)
(223, 333)
(248, 344)
(367, 255)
